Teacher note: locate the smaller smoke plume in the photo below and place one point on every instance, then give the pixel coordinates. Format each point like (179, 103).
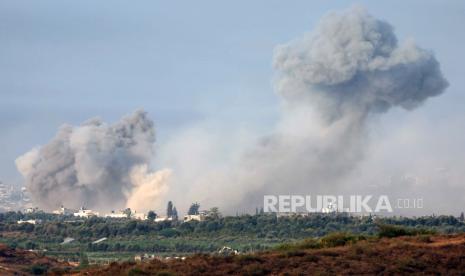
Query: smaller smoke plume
(96, 165)
(148, 187)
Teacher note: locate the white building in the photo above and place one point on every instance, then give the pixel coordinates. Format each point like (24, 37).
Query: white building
(31, 210)
(199, 217)
(85, 213)
(160, 219)
(126, 214)
(30, 221)
(120, 214)
(64, 211)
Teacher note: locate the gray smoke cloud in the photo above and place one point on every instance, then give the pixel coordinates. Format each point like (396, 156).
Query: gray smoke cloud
(352, 62)
(96, 165)
(331, 82)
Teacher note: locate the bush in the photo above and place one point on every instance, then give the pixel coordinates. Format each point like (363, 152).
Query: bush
(38, 269)
(169, 232)
(295, 253)
(392, 231)
(256, 270)
(136, 271)
(246, 259)
(337, 239)
(309, 244)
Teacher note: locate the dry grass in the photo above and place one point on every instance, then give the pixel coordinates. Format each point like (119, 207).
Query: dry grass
(401, 255)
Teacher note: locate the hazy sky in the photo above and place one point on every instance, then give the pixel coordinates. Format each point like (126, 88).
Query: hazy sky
(184, 63)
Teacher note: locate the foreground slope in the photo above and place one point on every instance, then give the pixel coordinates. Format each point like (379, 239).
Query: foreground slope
(420, 254)
(21, 262)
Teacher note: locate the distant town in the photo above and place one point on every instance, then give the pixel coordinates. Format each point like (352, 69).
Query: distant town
(193, 215)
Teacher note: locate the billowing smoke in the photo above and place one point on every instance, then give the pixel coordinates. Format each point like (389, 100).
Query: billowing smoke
(352, 63)
(331, 81)
(96, 165)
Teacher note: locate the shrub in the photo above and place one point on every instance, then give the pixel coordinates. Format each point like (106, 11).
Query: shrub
(256, 270)
(391, 231)
(337, 239)
(309, 244)
(295, 253)
(38, 269)
(169, 232)
(136, 271)
(249, 259)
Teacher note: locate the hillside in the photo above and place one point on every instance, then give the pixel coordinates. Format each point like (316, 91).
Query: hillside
(419, 254)
(22, 262)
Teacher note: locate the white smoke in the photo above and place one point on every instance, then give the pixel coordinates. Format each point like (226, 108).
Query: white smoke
(96, 165)
(148, 188)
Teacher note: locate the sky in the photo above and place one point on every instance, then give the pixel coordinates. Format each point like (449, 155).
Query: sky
(188, 63)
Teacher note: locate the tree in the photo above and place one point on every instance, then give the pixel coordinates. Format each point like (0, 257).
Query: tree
(194, 209)
(215, 213)
(169, 209)
(175, 214)
(127, 212)
(462, 217)
(151, 215)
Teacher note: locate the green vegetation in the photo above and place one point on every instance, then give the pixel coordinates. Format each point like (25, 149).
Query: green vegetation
(391, 231)
(343, 238)
(246, 233)
(194, 209)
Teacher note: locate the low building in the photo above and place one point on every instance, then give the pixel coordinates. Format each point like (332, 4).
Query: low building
(64, 211)
(31, 210)
(120, 214)
(199, 217)
(30, 221)
(160, 219)
(85, 213)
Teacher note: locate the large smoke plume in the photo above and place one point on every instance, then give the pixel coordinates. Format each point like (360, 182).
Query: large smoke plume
(331, 82)
(96, 165)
